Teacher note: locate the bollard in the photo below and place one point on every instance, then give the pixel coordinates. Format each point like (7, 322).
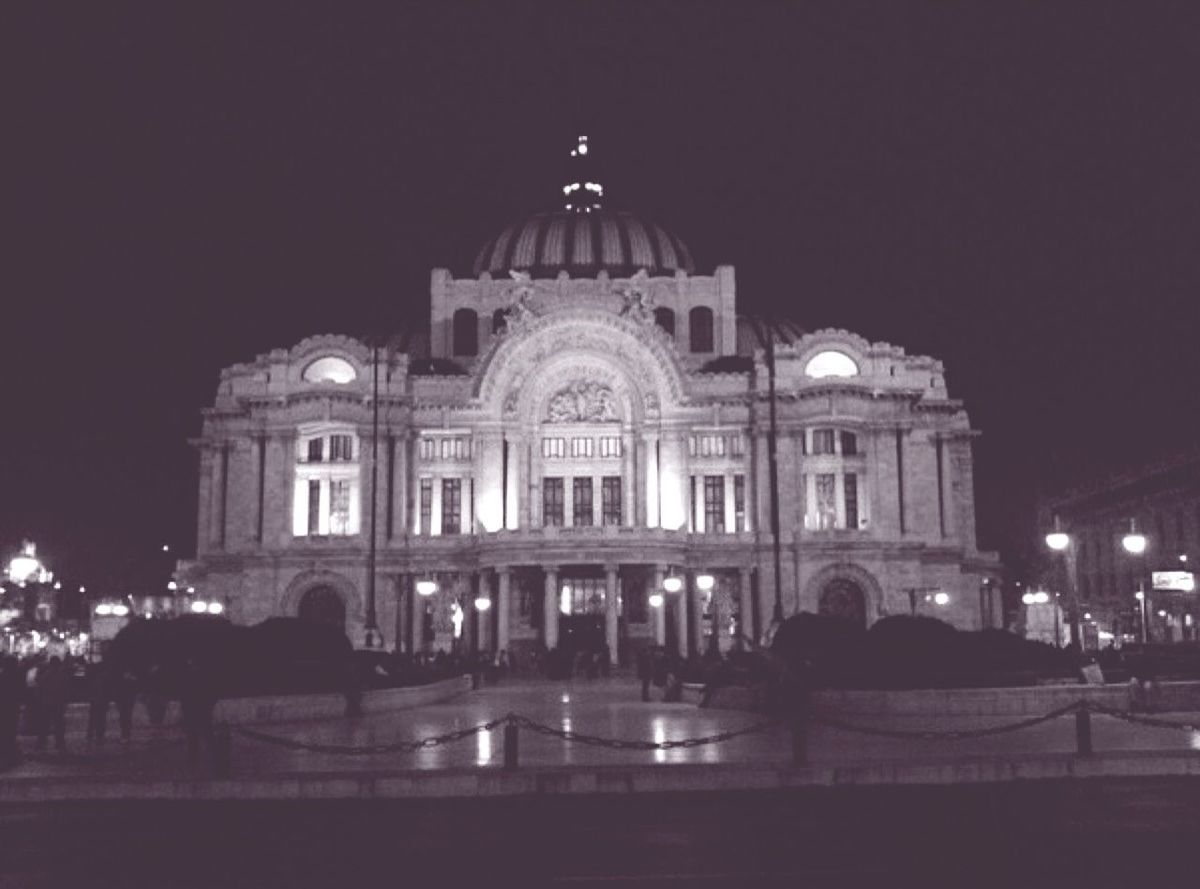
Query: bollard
(1083, 730)
(510, 746)
(799, 741)
(221, 751)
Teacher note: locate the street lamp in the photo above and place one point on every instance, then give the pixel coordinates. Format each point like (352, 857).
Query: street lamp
(673, 583)
(426, 587)
(1060, 542)
(1135, 544)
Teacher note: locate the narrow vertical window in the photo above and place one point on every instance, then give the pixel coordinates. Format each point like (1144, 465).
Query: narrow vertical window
(849, 444)
(426, 505)
(826, 501)
(466, 332)
(552, 502)
(451, 505)
(714, 504)
(315, 450)
(739, 502)
(851, 489)
(700, 328)
(314, 507)
(581, 505)
(339, 507)
(610, 500)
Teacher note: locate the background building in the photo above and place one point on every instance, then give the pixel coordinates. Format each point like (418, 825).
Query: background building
(1162, 501)
(585, 416)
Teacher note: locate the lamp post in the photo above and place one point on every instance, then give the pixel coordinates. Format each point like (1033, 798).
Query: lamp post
(1135, 544)
(705, 583)
(425, 587)
(1060, 542)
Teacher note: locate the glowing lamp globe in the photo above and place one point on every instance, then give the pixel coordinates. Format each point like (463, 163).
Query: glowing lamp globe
(672, 584)
(656, 600)
(120, 610)
(1058, 540)
(215, 608)
(1134, 543)
(199, 607)
(426, 587)
(941, 598)
(704, 582)
(483, 603)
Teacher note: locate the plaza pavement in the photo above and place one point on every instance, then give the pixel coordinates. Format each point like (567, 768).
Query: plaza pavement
(155, 765)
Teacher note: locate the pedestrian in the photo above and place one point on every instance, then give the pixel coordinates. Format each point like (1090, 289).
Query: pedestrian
(52, 703)
(12, 687)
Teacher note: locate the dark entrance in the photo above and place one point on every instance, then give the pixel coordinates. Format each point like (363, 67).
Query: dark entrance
(581, 639)
(844, 598)
(322, 605)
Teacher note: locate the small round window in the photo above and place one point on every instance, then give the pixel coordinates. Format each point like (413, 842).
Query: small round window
(330, 369)
(831, 364)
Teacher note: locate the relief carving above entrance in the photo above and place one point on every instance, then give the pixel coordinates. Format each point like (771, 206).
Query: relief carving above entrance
(582, 402)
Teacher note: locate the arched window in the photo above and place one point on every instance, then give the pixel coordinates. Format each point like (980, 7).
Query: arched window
(665, 318)
(466, 332)
(700, 326)
(498, 320)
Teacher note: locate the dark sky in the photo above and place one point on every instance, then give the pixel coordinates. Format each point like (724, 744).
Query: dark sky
(1010, 187)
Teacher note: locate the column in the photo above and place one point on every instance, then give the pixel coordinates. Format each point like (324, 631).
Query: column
(650, 446)
(673, 482)
(730, 515)
(204, 501)
(696, 623)
(414, 611)
(503, 606)
(530, 503)
(513, 489)
(488, 467)
(550, 608)
(660, 614)
(629, 514)
(611, 590)
(682, 624)
(745, 607)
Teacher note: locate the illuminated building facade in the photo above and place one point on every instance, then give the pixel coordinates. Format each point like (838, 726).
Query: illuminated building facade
(585, 416)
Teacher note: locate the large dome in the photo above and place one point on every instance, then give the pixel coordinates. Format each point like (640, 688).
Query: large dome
(582, 244)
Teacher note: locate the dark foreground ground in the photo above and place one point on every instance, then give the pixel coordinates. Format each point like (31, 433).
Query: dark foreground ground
(1126, 833)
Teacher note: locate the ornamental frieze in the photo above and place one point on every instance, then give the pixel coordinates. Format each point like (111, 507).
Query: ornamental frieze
(582, 402)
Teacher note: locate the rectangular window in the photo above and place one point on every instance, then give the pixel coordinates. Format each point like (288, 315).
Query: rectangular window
(426, 505)
(314, 507)
(851, 489)
(554, 447)
(581, 502)
(339, 507)
(739, 502)
(610, 446)
(692, 446)
(714, 504)
(737, 445)
(822, 441)
(610, 500)
(803, 442)
(451, 505)
(849, 444)
(316, 450)
(582, 447)
(341, 448)
(826, 501)
(694, 505)
(552, 502)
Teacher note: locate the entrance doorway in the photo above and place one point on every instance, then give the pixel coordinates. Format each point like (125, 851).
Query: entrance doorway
(844, 598)
(322, 605)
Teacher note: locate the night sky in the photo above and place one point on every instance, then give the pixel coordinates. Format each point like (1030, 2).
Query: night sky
(1012, 188)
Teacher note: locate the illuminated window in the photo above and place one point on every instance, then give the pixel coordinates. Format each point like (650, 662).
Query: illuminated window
(451, 505)
(581, 502)
(714, 504)
(826, 491)
(329, 369)
(700, 328)
(831, 364)
(610, 446)
(554, 447)
(582, 447)
(326, 494)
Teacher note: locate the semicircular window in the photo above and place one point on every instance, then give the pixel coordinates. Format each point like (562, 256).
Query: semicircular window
(330, 369)
(831, 363)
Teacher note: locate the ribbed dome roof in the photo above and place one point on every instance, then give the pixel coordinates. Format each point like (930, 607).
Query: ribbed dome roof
(582, 244)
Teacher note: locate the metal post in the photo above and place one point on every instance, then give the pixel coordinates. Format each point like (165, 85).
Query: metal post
(1083, 730)
(371, 631)
(773, 469)
(511, 751)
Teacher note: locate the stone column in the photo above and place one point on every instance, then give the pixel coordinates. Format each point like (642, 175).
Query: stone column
(513, 490)
(204, 511)
(696, 624)
(673, 482)
(550, 608)
(682, 623)
(611, 591)
(660, 614)
(746, 607)
(503, 606)
(629, 514)
(531, 503)
(415, 612)
(650, 489)
(730, 514)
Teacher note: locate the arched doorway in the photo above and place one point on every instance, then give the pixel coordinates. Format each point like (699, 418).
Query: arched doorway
(844, 598)
(322, 605)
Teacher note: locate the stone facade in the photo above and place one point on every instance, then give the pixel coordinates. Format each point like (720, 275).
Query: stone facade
(563, 446)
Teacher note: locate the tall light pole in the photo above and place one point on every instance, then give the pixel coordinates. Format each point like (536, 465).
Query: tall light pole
(1060, 542)
(773, 469)
(371, 630)
(1135, 544)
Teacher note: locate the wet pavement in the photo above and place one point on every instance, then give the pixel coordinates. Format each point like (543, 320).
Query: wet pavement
(610, 709)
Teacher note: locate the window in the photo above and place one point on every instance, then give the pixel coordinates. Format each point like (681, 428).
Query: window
(499, 320)
(330, 369)
(849, 444)
(706, 445)
(823, 441)
(341, 448)
(339, 507)
(582, 447)
(582, 595)
(832, 364)
(466, 332)
(456, 448)
(610, 500)
(700, 327)
(316, 450)
(314, 507)
(826, 501)
(554, 447)
(451, 505)
(739, 503)
(665, 318)
(850, 487)
(714, 504)
(426, 506)
(610, 446)
(552, 502)
(581, 502)
(737, 445)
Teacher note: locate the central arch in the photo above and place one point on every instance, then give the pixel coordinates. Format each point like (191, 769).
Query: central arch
(322, 605)
(844, 598)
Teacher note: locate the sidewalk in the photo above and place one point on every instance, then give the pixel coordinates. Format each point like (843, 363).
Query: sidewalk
(155, 765)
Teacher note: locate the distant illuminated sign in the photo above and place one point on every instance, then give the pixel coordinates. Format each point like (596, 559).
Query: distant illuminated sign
(1176, 581)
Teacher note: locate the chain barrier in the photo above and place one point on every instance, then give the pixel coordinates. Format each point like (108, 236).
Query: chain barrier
(1139, 719)
(950, 734)
(370, 749)
(625, 744)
